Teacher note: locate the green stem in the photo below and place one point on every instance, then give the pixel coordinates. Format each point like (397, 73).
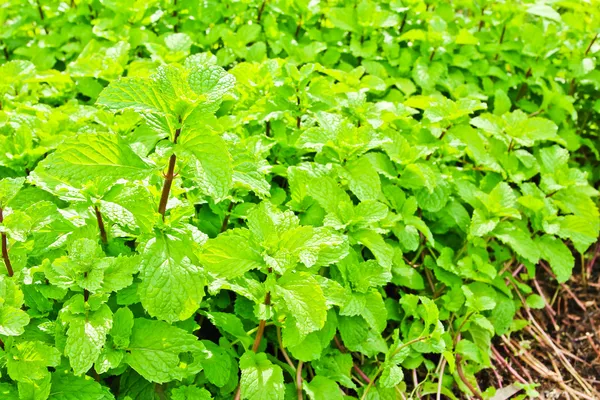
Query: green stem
(380, 369)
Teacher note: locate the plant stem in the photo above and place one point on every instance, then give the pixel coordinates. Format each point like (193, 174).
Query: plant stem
(298, 29)
(523, 88)
(463, 378)
(298, 121)
(226, 219)
(403, 22)
(257, 339)
(591, 44)
(5, 256)
(101, 227)
(164, 198)
(261, 326)
(260, 10)
(380, 369)
(42, 16)
(359, 371)
(283, 351)
(299, 380)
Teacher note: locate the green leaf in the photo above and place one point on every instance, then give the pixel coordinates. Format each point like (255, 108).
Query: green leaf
(69, 387)
(121, 327)
(218, 366)
(155, 350)
(335, 366)
(13, 321)
(300, 294)
(580, 230)
(519, 240)
(171, 286)
(261, 379)
(321, 387)
(536, 301)
(208, 163)
(391, 376)
(544, 11)
(363, 179)
(86, 337)
(558, 255)
(231, 254)
(190, 393)
(89, 157)
(9, 187)
(28, 361)
(479, 296)
(212, 82)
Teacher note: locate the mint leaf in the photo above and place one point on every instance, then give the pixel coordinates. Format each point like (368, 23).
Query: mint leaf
(90, 157)
(171, 286)
(231, 254)
(558, 255)
(260, 378)
(155, 348)
(301, 295)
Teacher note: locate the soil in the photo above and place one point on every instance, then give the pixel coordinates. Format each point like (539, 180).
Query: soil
(560, 351)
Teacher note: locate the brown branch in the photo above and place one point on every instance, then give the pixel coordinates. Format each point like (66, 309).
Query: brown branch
(101, 227)
(5, 256)
(164, 197)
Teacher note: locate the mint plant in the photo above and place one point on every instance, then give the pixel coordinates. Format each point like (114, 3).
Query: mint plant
(286, 200)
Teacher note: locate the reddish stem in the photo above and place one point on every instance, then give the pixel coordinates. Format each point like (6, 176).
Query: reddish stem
(256, 344)
(463, 378)
(5, 256)
(261, 326)
(591, 44)
(164, 197)
(226, 219)
(101, 227)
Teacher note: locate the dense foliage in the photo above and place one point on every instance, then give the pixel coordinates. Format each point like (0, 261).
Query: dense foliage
(269, 199)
